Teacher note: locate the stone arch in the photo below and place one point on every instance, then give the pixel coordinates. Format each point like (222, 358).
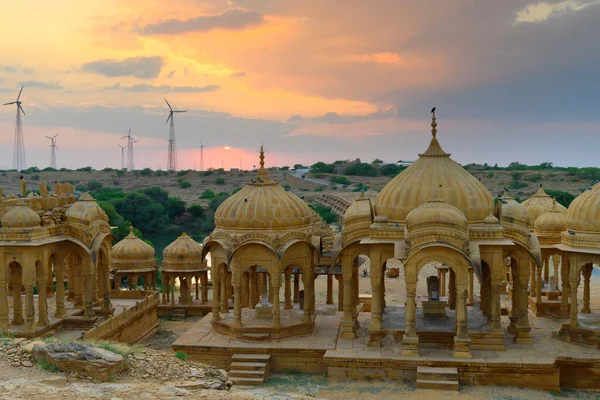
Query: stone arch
(254, 253)
(452, 257)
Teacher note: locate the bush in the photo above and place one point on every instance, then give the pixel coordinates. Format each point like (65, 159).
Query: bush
(533, 178)
(196, 210)
(47, 366)
(563, 198)
(206, 173)
(325, 213)
(490, 175)
(299, 166)
(35, 177)
(342, 180)
(319, 189)
(237, 189)
(184, 184)
(94, 186)
(208, 195)
(181, 355)
(516, 176)
(183, 172)
(321, 167)
(517, 185)
(160, 173)
(85, 169)
(391, 169)
(360, 188)
(120, 172)
(146, 172)
(220, 181)
(361, 169)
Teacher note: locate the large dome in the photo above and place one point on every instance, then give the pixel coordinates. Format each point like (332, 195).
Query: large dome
(183, 254)
(264, 205)
(434, 173)
(583, 214)
(85, 210)
(540, 203)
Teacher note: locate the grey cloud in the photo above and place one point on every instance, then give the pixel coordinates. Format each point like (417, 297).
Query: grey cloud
(140, 67)
(14, 69)
(42, 85)
(335, 118)
(296, 118)
(141, 87)
(233, 19)
(240, 74)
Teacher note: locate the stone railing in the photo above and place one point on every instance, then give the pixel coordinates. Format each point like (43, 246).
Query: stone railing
(338, 205)
(131, 325)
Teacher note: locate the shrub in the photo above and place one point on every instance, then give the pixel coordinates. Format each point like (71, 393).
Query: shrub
(360, 188)
(321, 167)
(391, 169)
(299, 166)
(184, 184)
(206, 173)
(47, 366)
(533, 178)
(181, 355)
(120, 172)
(7, 333)
(361, 169)
(342, 180)
(563, 198)
(146, 172)
(490, 175)
(220, 181)
(237, 189)
(516, 176)
(35, 177)
(319, 189)
(208, 195)
(517, 185)
(196, 210)
(183, 172)
(160, 173)
(86, 169)
(94, 186)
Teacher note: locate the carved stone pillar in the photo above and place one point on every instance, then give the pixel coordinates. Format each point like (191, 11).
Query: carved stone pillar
(237, 306)
(564, 296)
(173, 278)
(546, 271)
(42, 301)
(462, 341)
(17, 303)
(538, 283)
(106, 303)
(532, 280)
(348, 327)
(196, 278)
(296, 288)
(375, 307)
(495, 308)
(329, 289)
(452, 291)
(523, 327)
(165, 288)
(410, 341)
(78, 287)
(443, 282)
(471, 287)
(555, 263)
(70, 272)
(245, 289)
(340, 279)
(275, 286)
(204, 280)
(574, 284)
(587, 274)
(3, 294)
(88, 311)
(216, 279)
(253, 288)
(29, 310)
(224, 290)
(287, 289)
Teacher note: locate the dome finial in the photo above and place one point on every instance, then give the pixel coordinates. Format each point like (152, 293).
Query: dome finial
(262, 156)
(433, 123)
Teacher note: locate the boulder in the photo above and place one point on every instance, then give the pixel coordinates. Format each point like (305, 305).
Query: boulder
(81, 358)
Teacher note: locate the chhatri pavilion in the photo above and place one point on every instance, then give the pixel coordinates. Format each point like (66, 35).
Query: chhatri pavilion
(443, 228)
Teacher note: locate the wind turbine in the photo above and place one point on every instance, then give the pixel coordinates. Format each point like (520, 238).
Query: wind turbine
(172, 158)
(202, 146)
(19, 162)
(130, 142)
(123, 156)
(53, 149)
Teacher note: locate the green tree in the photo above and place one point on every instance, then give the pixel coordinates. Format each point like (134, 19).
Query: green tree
(146, 172)
(94, 186)
(175, 207)
(143, 213)
(342, 180)
(321, 168)
(196, 210)
(564, 198)
(208, 195)
(360, 169)
(391, 169)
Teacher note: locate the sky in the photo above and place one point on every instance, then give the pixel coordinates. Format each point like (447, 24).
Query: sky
(312, 80)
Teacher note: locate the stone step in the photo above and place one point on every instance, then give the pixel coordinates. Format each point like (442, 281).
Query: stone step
(251, 357)
(247, 381)
(437, 373)
(437, 385)
(246, 373)
(238, 365)
(256, 336)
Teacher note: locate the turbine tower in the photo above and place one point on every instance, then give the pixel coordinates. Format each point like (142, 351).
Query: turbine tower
(130, 142)
(53, 150)
(122, 156)
(19, 162)
(202, 146)
(172, 159)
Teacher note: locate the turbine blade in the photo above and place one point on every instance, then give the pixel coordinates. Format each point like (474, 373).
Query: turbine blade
(48, 137)
(12, 102)
(168, 105)
(129, 131)
(179, 111)
(19, 96)
(55, 135)
(23, 111)
(169, 117)
(124, 137)
(56, 148)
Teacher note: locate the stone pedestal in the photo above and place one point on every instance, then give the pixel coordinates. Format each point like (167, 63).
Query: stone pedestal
(434, 308)
(264, 311)
(410, 346)
(461, 347)
(552, 295)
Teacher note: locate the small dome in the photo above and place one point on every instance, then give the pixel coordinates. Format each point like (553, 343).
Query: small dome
(183, 253)
(583, 214)
(540, 203)
(21, 216)
(551, 222)
(436, 211)
(132, 253)
(434, 222)
(360, 208)
(85, 209)
(434, 172)
(491, 220)
(512, 211)
(263, 205)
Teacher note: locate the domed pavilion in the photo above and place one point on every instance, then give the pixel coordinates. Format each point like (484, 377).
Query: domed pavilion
(580, 247)
(262, 233)
(132, 259)
(435, 212)
(183, 261)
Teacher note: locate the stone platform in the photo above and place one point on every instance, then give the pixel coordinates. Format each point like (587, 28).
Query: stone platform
(549, 364)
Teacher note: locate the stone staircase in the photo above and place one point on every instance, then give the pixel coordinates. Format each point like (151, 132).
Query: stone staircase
(437, 378)
(178, 314)
(249, 369)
